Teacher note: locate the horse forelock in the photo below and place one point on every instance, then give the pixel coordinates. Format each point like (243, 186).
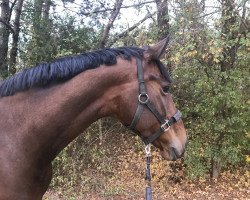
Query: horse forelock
(65, 68)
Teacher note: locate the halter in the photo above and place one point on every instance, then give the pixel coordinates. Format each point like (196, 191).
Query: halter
(144, 101)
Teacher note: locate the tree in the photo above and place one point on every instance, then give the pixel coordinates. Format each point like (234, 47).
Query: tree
(8, 61)
(112, 18)
(42, 46)
(5, 28)
(15, 37)
(162, 18)
(212, 90)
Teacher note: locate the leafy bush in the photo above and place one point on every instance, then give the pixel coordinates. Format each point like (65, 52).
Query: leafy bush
(216, 105)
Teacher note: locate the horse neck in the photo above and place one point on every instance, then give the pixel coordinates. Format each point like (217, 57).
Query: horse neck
(65, 110)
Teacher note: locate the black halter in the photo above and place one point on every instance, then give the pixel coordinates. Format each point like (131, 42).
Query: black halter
(144, 101)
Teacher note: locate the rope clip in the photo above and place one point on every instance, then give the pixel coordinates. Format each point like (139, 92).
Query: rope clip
(148, 150)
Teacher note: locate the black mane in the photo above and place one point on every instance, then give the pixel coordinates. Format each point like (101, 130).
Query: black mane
(65, 68)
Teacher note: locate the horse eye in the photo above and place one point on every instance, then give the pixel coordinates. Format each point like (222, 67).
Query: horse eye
(166, 89)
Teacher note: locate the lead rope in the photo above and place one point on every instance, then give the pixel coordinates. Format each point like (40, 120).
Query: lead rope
(148, 174)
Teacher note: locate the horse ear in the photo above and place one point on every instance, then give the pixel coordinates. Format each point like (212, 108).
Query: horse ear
(157, 50)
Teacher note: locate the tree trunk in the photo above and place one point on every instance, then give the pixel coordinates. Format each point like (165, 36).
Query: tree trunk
(162, 18)
(45, 19)
(216, 168)
(37, 29)
(163, 24)
(15, 37)
(47, 4)
(229, 34)
(4, 37)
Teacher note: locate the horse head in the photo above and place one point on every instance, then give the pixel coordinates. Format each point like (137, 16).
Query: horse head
(148, 107)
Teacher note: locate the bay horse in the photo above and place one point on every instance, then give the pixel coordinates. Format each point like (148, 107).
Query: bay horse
(44, 108)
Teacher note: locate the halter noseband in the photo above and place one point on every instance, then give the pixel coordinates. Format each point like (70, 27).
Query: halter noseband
(144, 101)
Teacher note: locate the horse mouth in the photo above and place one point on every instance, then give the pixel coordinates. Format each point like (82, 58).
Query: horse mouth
(171, 154)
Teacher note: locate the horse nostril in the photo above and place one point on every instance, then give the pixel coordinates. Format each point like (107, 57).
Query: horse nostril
(174, 153)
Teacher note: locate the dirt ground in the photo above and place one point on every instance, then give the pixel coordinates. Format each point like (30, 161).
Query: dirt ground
(229, 187)
(120, 173)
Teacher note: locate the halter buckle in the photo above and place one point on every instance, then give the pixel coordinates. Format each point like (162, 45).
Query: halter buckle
(163, 126)
(143, 98)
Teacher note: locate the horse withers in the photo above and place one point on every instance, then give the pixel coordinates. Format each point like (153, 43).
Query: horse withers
(44, 108)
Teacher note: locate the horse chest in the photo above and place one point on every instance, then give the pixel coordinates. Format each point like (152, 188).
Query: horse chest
(23, 183)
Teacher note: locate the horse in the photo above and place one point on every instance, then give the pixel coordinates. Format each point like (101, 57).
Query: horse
(45, 107)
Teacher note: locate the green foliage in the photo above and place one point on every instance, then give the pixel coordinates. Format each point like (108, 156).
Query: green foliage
(53, 36)
(72, 38)
(197, 166)
(82, 159)
(211, 67)
(39, 44)
(216, 107)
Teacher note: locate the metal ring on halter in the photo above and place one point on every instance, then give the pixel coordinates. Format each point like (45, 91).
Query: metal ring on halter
(165, 124)
(141, 96)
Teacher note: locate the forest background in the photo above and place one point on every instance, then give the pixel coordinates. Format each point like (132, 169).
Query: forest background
(209, 60)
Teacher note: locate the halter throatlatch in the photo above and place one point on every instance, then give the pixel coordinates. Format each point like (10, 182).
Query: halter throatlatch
(144, 101)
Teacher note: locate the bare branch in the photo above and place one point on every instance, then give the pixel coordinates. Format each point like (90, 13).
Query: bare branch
(207, 14)
(110, 9)
(112, 18)
(8, 26)
(125, 33)
(11, 9)
(242, 18)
